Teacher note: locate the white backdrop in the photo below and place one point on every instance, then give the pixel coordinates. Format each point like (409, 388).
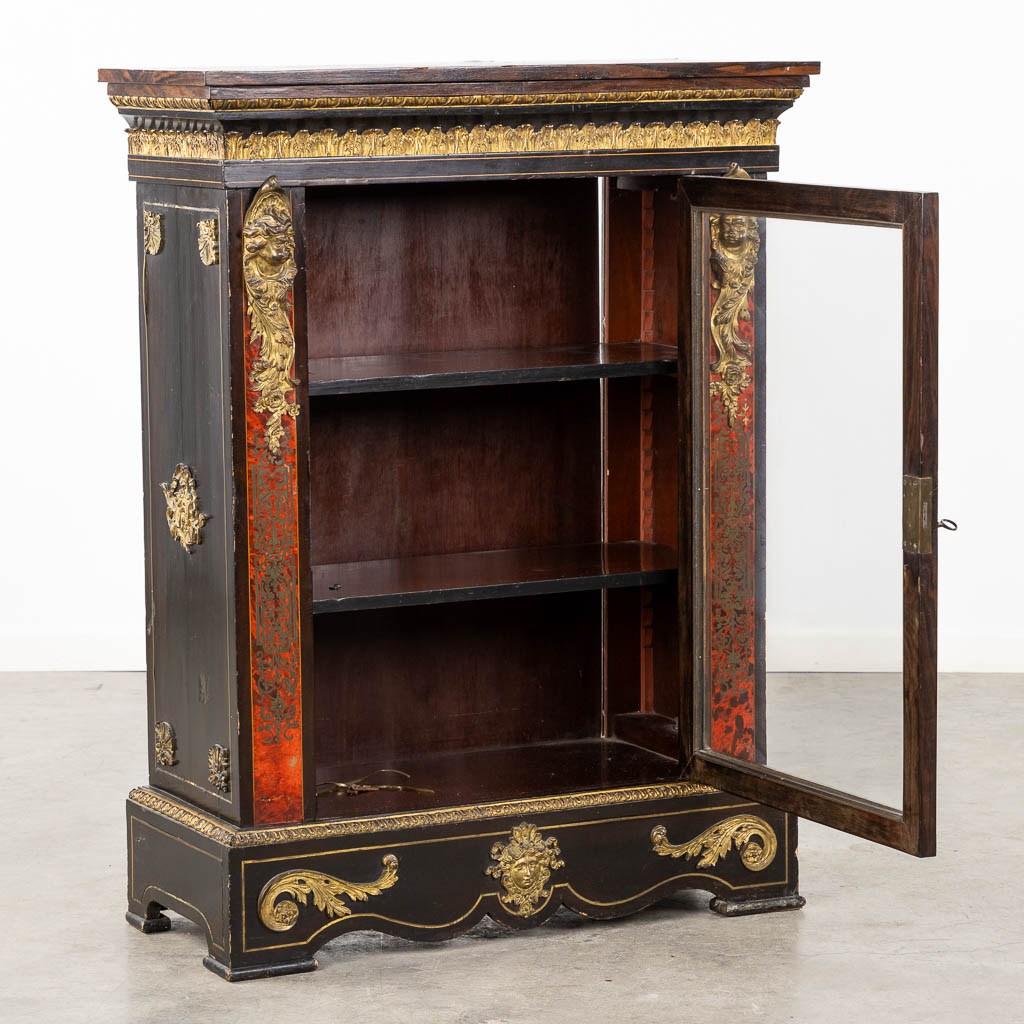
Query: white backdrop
(910, 96)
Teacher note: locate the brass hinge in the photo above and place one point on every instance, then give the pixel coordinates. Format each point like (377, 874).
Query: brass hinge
(918, 514)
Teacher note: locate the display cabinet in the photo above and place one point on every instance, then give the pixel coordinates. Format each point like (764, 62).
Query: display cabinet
(453, 439)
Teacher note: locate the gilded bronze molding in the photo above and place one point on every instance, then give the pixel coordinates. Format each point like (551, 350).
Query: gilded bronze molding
(524, 866)
(735, 243)
(184, 520)
(176, 145)
(543, 99)
(209, 245)
(152, 232)
(327, 891)
(458, 141)
(165, 745)
(161, 102)
(715, 842)
(218, 764)
(268, 266)
(230, 836)
(186, 816)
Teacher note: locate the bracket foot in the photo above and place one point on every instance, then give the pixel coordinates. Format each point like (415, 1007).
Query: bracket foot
(259, 970)
(737, 908)
(147, 925)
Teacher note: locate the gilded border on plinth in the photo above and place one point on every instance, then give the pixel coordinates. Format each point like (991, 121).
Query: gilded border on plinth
(540, 99)
(457, 141)
(230, 836)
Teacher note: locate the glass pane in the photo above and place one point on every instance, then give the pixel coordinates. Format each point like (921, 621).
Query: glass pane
(805, 488)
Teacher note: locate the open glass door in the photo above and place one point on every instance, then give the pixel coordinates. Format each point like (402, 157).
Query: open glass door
(809, 464)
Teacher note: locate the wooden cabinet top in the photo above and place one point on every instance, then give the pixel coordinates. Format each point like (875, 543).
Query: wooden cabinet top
(346, 124)
(608, 75)
(576, 89)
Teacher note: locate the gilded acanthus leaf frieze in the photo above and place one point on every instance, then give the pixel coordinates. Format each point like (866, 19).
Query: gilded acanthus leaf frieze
(458, 141)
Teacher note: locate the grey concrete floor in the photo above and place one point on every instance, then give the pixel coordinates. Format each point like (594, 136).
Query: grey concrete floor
(884, 937)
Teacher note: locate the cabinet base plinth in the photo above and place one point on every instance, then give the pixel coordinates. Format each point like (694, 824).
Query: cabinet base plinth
(302, 966)
(739, 908)
(267, 898)
(148, 925)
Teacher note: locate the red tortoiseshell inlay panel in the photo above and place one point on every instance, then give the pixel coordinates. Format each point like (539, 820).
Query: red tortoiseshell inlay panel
(731, 559)
(274, 647)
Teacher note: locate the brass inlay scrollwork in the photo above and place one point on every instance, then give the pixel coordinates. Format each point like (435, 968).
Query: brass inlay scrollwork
(327, 891)
(543, 99)
(164, 744)
(715, 842)
(458, 141)
(152, 231)
(524, 867)
(268, 266)
(209, 246)
(735, 243)
(184, 520)
(218, 764)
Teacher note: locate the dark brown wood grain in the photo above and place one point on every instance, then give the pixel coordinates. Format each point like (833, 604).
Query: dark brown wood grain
(396, 683)
(506, 772)
(641, 444)
(452, 267)
(810, 202)
(650, 731)
(469, 469)
(476, 73)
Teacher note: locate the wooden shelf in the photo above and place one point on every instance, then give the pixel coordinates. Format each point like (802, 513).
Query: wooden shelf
(417, 371)
(479, 575)
(646, 729)
(494, 773)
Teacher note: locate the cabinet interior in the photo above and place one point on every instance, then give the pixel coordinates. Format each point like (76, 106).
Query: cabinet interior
(493, 489)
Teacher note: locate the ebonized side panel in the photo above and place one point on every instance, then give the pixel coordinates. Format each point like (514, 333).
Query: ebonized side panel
(186, 420)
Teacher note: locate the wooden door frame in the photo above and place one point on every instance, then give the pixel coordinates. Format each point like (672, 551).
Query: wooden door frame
(916, 214)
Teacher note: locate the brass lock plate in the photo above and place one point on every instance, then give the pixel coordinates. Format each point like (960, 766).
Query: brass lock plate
(918, 514)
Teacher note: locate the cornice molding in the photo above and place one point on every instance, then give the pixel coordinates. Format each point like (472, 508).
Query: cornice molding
(445, 102)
